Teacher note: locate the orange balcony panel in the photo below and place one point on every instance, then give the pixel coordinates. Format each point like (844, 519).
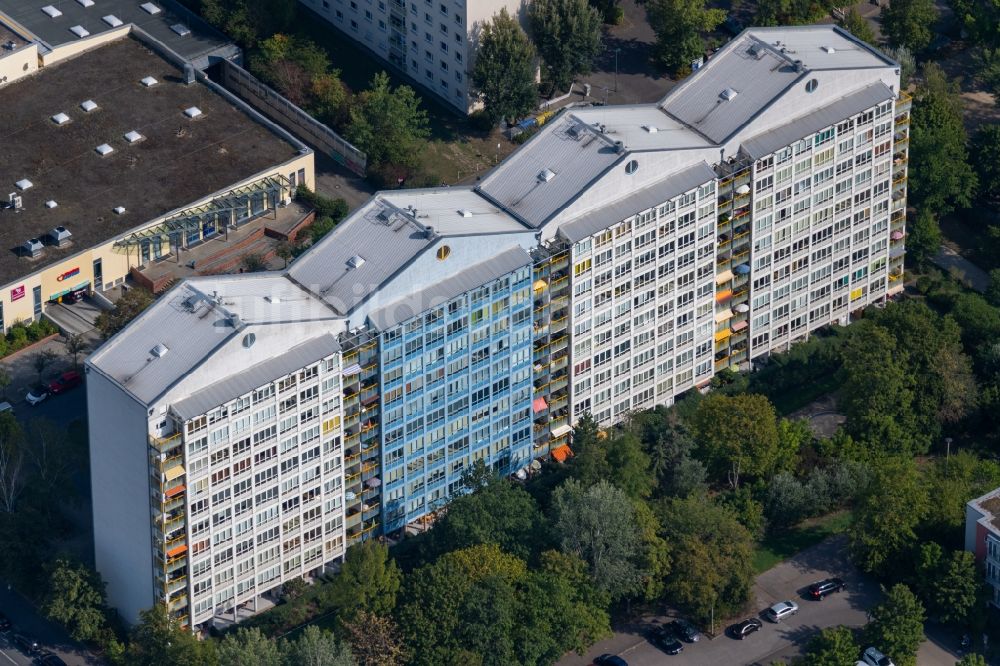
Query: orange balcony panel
(175, 491)
(723, 295)
(177, 551)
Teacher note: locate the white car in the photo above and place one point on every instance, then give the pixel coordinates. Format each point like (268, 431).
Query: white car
(781, 610)
(873, 657)
(36, 395)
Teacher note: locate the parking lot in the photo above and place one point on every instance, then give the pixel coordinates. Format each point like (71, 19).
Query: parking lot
(774, 642)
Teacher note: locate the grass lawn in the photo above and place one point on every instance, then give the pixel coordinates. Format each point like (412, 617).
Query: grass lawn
(775, 549)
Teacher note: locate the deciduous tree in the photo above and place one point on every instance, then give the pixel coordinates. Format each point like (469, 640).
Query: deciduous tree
(909, 23)
(568, 36)
(737, 435)
(315, 647)
(375, 640)
(248, 647)
(159, 639)
(75, 599)
(504, 73)
(597, 524)
(128, 306)
(680, 26)
(832, 647)
(388, 124)
(897, 625)
(368, 581)
(986, 158)
(858, 26)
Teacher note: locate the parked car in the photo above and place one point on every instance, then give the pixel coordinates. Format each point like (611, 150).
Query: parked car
(874, 657)
(822, 588)
(51, 659)
(4, 622)
(26, 644)
(781, 610)
(6, 407)
(745, 628)
(36, 395)
(65, 382)
(610, 660)
(665, 639)
(685, 631)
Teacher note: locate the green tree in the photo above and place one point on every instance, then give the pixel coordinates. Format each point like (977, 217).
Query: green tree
(368, 581)
(887, 516)
(253, 262)
(857, 25)
(568, 36)
(504, 73)
(897, 625)
(909, 23)
(129, 306)
(499, 512)
(992, 294)
(159, 639)
(680, 26)
(972, 659)
(248, 647)
(75, 599)
(630, 466)
(832, 647)
(388, 124)
(598, 525)
(907, 63)
(950, 587)
(941, 178)
(738, 435)
(5, 382)
(986, 158)
(924, 239)
(41, 360)
(247, 21)
(76, 345)
(952, 482)
(712, 556)
(315, 647)
(375, 640)
(589, 463)
(654, 552)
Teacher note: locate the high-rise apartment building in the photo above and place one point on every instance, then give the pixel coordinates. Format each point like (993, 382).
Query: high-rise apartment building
(621, 257)
(432, 42)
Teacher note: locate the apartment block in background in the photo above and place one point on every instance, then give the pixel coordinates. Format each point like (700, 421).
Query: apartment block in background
(433, 42)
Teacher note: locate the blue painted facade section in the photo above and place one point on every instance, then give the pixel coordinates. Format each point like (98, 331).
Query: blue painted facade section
(455, 388)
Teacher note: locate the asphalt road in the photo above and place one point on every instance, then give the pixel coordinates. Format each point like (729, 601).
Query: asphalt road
(775, 642)
(51, 637)
(56, 408)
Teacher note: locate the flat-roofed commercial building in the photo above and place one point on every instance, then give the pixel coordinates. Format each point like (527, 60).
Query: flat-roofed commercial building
(622, 256)
(113, 161)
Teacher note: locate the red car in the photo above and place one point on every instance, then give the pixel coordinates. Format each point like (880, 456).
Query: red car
(65, 382)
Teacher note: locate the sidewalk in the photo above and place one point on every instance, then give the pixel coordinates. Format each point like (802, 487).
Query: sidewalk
(962, 269)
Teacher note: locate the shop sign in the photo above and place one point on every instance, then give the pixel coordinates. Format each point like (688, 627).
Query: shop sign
(68, 274)
(17, 293)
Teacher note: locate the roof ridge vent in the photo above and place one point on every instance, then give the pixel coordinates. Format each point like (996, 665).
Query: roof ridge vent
(546, 175)
(729, 94)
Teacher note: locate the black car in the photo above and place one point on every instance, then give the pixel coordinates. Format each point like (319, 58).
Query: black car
(824, 587)
(4, 622)
(25, 644)
(666, 640)
(686, 631)
(610, 660)
(50, 659)
(745, 628)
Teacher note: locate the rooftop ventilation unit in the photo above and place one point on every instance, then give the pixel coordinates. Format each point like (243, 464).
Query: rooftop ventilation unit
(51, 204)
(59, 236)
(104, 149)
(60, 118)
(32, 247)
(80, 31)
(86, 3)
(546, 175)
(119, 210)
(652, 129)
(88, 105)
(112, 20)
(160, 350)
(465, 212)
(148, 81)
(133, 136)
(181, 29)
(799, 66)
(24, 184)
(356, 261)
(189, 76)
(729, 94)
(150, 8)
(273, 300)
(192, 112)
(51, 11)
(829, 49)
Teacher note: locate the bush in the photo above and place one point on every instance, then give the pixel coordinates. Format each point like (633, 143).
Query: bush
(480, 121)
(325, 206)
